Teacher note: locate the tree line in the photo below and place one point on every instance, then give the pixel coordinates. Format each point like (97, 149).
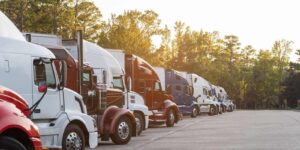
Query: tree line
(253, 78)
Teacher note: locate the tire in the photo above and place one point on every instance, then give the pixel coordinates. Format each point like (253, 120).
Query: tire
(73, 138)
(9, 143)
(123, 131)
(170, 118)
(212, 110)
(195, 112)
(140, 122)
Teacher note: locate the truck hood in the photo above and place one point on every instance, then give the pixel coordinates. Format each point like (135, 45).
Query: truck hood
(12, 97)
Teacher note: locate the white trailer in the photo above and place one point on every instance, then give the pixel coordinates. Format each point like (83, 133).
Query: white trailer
(29, 69)
(104, 63)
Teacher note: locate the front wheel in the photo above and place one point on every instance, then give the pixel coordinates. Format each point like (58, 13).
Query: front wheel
(123, 131)
(139, 122)
(73, 138)
(195, 112)
(170, 118)
(8, 143)
(220, 109)
(212, 110)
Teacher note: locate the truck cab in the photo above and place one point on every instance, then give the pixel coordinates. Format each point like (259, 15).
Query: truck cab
(30, 70)
(17, 131)
(203, 94)
(143, 80)
(176, 85)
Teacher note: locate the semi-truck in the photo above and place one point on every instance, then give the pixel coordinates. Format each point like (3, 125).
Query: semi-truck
(58, 112)
(97, 98)
(142, 79)
(109, 72)
(202, 92)
(17, 131)
(174, 84)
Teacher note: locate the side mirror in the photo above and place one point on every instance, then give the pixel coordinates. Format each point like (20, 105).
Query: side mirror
(104, 76)
(129, 84)
(94, 79)
(61, 71)
(42, 87)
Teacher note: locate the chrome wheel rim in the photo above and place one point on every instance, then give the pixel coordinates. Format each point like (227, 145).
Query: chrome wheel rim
(123, 130)
(171, 116)
(73, 141)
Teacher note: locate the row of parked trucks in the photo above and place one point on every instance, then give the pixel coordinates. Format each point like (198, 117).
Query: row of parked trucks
(74, 93)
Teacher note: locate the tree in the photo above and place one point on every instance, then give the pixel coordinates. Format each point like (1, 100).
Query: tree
(132, 31)
(54, 16)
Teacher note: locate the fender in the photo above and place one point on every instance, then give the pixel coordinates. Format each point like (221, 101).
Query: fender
(170, 104)
(68, 117)
(110, 117)
(12, 97)
(21, 123)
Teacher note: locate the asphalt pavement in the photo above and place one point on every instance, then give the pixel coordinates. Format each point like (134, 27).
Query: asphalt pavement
(246, 130)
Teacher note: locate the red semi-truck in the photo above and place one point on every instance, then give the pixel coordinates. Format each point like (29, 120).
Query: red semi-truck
(143, 79)
(17, 132)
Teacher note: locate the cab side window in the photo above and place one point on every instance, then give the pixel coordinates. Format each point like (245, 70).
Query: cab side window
(43, 74)
(205, 92)
(157, 86)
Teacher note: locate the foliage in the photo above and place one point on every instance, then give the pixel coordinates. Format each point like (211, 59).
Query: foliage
(253, 78)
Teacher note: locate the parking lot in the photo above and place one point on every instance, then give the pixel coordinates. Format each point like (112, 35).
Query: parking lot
(264, 129)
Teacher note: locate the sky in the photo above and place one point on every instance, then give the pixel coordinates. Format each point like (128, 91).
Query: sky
(256, 22)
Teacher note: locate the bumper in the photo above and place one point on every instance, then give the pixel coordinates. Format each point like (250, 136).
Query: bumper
(93, 139)
(157, 117)
(37, 144)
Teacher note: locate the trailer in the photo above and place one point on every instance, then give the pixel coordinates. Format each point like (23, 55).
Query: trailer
(30, 70)
(142, 79)
(174, 83)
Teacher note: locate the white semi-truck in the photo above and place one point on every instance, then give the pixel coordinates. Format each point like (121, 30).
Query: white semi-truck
(58, 112)
(202, 92)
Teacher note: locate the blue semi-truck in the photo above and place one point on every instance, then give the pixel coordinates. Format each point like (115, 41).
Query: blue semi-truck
(176, 85)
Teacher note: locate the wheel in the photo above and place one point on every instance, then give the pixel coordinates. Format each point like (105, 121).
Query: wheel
(212, 110)
(8, 143)
(123, 131)
(140, 123)
(195, 112)
(224, 109)
(73, 138)
(170, 118)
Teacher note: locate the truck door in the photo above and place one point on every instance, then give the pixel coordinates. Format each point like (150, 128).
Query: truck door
(144, 88)
(45, 74)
